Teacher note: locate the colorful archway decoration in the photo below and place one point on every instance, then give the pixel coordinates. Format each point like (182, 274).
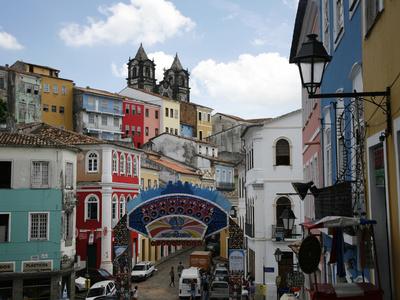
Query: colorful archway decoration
(178, 212)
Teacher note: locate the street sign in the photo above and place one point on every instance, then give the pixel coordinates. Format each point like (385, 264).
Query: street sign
(269, 269)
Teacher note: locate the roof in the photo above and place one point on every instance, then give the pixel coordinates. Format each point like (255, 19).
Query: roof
(101, 284)
(176, 64)
(35, 65)
(172, 165)
(141, 54)
(31, 140)
(128, 92)
(298, 24)
(183, 137)
(98, 92)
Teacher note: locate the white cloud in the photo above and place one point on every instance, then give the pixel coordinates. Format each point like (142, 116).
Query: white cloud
(9, 42)
(161, 59)
(147, 21)
(251, 86)
(258, 42)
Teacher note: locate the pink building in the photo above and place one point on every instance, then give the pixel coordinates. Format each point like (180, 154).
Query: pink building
(151, 121)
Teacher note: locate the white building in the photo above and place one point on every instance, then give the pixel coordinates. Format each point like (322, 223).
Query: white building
(273, 161)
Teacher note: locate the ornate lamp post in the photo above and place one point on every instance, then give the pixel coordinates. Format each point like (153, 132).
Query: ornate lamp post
(288, 217)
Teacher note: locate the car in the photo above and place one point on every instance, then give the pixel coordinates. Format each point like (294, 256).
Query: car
(221, 274)
(101, 289)
(188, 275)
(95, 275)
(143, 270)
(219, 290)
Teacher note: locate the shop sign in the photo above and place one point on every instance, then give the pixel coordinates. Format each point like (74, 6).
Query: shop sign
(6, 267)
(236, 260)
(37, 266)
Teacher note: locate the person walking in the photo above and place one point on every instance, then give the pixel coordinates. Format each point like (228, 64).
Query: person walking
(205, 285)
(134, 293)
(180, 269)
(193, 290)
(172, 277)
(252, 290)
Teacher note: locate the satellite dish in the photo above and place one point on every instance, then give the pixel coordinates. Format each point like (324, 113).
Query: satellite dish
(309, 254)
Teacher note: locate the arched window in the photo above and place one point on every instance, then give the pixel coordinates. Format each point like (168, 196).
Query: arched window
(128, 198)
(115, 163)
(281, 204)
(135, 166)
(92, 162)
(121, 206)
(129, 165)
(122, 163)
(114, 209)
(282, 149)
(91, 208)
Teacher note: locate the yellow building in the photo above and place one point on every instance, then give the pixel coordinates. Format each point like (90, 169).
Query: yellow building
(381, 70)
(204, 123)
(56, 94)
(170, 116)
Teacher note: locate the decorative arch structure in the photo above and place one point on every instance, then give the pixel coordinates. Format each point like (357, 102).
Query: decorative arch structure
(178, 212)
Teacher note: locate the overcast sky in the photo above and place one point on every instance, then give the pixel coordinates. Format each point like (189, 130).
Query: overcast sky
(236, 51)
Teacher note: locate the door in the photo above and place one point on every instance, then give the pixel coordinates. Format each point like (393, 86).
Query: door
(285, 267)
(92, 256)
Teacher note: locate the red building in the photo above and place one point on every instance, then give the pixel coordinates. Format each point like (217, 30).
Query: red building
(107, 178)
(141, 121)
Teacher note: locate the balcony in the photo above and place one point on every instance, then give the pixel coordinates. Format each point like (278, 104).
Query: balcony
(249, 230)
(225, 186)
(280, 234)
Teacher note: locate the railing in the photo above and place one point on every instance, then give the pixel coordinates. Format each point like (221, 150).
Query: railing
(249, 229)
(228, 186)
(280, 233)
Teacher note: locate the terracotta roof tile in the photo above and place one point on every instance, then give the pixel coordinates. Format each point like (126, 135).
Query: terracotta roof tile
(30, 140)
(180, 168)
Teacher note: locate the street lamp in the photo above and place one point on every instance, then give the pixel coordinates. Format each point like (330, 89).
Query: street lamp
(288, 219)
(278, 255)
(312, 60)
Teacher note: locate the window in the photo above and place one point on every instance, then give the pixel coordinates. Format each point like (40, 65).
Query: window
(372, 10)
(104, 104)
(127, 109)
(281, 204)
(156, 114)
(35, 89)
(135, 166)
(46, 88)
(223, 176)
(92, 208)
(176, 131)
(45, 107)
(139, 110)
(325, 25)
(55, 89)
(282, 153)
(5, 174)
(61, 109)
(133, 108)
(176, 114)
(166, 112)
(63, 90)
(126, 129)
(146, 112)
(155, 183)
(139, 130)
(121, 206)
(171, 131)
(91, 118)
(328, 157)
(28, 88)
(148, 183)
(338, 20)
(129, 165)
(213, 152)
(40, 174)
(4, 227)
(200, 135)
(122, 163)
(199, 149)
(171, 112)
(38, 224)
(53, 108)
(92, 162)
(206, 150)
(68, 229)
(146, 131)
(156, 131)
(208, 117)
(114, 209)
(104, 120)
(142, 183)
(133, 130)
(115, 163)
(116, 122)
(116, 107)
(69, 175)
(166, 129)
(199, 115)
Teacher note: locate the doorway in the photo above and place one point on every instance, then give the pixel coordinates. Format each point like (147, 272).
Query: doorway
(92, 256)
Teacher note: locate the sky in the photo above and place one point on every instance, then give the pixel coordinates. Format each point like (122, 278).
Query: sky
(235, 50)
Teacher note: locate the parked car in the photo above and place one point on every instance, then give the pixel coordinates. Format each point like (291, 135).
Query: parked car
(219, 290)
(221, 274)
(101, 289)
(95, 275)
(143, 270)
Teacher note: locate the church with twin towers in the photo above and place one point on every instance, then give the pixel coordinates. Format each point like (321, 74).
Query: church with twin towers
(141, 75)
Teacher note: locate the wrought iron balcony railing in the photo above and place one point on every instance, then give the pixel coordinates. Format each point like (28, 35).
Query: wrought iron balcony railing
(279, 233)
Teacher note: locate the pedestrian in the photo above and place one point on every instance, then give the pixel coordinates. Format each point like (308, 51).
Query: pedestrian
(134, 293)
(252, 290)
(193, 289)
(172, 277)
(180, 269)
(205, 287)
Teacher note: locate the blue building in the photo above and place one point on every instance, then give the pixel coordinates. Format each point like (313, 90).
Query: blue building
(98, 113)
(37, 217)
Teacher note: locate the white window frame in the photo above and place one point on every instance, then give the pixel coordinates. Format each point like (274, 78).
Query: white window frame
(30, 226)
(353, 7)
(121, 206)
(71, 185)
(55, 88)
(367, 29)
(337, 18)
(326, 31)
(87, 206)
(63, 90)
(41, 185)
(88, 158)
(115, 163)
(104, 120)
(135, 165)
(46, 88)
(122, 163)
(91, 118)
(274, 149)
(129, 165)
(9, 226)
(328, 156)
(114, 209)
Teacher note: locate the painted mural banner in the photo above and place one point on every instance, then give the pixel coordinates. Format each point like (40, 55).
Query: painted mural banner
(178, 212)
(236, 260)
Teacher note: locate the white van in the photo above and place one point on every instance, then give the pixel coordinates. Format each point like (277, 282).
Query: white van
(184, 282)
